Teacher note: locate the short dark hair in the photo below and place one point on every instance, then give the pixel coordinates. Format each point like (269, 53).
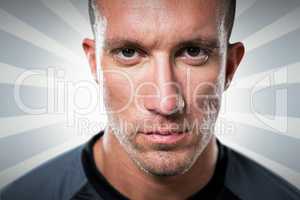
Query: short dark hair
(92, 15)
(228, 14)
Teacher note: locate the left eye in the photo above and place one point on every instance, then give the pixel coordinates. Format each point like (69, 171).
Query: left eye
(193, 52)
(193, 55)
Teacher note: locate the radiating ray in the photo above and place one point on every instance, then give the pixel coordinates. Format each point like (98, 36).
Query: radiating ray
(284, 25)
(15, 125)
(284, 75)
(279, 53)
(249, 81)
(38, 77)
(282, 125)
(10, 74)
(82, 7)
(20, 29)
(10, 174)
(242, 6)
(72, 17)
(288, 174)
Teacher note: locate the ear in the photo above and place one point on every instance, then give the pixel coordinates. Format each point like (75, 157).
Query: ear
(235, 54)
(90, 52)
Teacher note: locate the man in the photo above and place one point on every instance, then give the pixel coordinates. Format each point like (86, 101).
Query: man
(164, 64)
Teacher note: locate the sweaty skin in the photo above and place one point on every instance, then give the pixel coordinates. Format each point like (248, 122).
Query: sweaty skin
(165, 65)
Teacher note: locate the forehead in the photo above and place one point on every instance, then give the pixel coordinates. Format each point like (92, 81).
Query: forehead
(161, 18)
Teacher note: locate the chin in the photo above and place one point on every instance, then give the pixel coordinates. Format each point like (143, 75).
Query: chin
(164, 160)
(167, 163)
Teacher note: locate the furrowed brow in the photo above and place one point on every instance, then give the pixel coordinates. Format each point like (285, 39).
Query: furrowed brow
(209, 43)
(121, 42)
(114, 43)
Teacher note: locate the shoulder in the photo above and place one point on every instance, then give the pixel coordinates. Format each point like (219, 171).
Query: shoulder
(57, 179)
(250, 180)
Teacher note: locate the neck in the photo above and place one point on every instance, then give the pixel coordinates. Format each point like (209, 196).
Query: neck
(122, 173)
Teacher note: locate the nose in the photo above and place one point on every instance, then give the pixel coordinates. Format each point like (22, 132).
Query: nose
(167, 98)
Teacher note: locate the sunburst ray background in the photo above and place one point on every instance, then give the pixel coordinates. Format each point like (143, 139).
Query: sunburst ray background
(41, 42)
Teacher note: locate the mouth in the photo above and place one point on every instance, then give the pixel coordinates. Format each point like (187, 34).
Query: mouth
(165, 137)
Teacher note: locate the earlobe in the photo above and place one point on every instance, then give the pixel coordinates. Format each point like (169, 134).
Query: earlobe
(234, 57)
(89, 49)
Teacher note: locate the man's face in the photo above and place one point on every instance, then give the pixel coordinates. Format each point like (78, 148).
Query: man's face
(163, 71)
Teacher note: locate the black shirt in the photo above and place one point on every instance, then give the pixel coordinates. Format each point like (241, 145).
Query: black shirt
(74, 176)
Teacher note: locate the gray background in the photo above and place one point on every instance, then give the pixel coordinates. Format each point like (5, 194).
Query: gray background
(260, 115)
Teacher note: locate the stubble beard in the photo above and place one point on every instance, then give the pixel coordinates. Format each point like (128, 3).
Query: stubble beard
(163, 163)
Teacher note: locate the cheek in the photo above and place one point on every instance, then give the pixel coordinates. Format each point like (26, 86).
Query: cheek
(118, 90)
(125, 87)
(204, 93)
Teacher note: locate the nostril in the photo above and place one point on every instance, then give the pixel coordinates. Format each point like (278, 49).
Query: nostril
(164, 106)
(171, 105)
(168, 104)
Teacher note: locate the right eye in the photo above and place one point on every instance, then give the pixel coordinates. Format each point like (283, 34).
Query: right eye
(127, 56)
(128, 53)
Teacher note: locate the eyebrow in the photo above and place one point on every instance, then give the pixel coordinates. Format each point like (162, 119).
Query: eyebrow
(120, 42)
(208, 43)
